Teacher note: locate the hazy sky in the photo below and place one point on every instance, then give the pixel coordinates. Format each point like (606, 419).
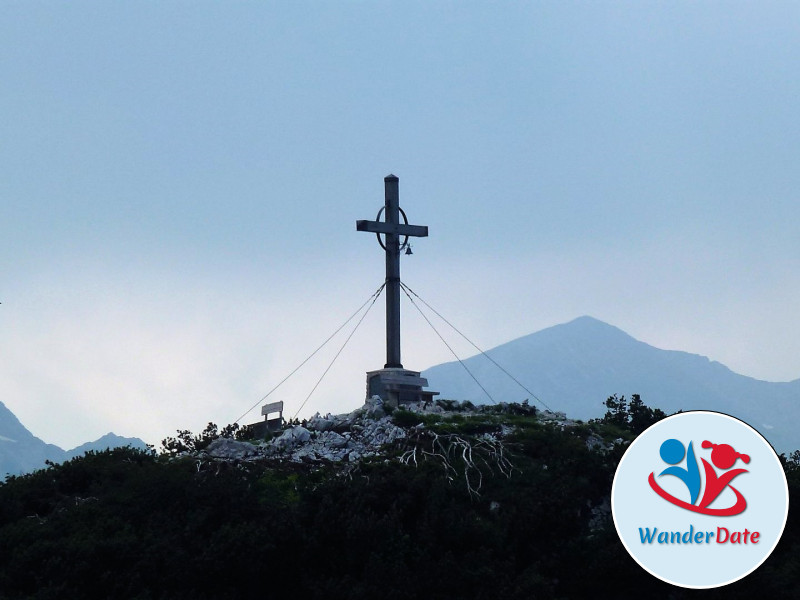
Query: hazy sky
(180, 181)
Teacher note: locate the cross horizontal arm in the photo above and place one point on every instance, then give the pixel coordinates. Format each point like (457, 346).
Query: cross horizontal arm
(398, 229)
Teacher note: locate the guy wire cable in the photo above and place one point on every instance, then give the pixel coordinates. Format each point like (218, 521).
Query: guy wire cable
(474, 345)
(372, 298)
(446, 344)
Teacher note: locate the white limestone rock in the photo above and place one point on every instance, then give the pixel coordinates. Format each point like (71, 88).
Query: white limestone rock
(228, 449)
(601, 515)
(292, 437)
(595, 442)
(332, 439)
(548, 415)
(424, 408)
(374, 408)
(317, 423)
(377, 433)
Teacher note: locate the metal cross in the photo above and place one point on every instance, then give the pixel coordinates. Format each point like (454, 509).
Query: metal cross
(392, 229)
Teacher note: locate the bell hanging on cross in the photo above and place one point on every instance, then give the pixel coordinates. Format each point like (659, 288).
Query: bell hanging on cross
(408, 250)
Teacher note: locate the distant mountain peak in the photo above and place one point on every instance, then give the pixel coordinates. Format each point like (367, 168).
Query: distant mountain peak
(21, 451)
(586, 319)
(106, 442)
(573, 367)
(590, 325)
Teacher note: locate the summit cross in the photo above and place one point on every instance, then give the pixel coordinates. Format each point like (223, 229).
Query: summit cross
(393, 230)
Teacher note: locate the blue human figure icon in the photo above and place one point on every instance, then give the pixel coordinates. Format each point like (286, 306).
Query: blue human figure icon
(672, 452)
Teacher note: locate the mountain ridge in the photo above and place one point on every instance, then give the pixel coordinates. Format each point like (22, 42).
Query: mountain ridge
(22, 452)
(573, 367)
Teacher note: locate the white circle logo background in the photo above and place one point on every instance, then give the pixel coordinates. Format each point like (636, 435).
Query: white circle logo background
(636, 506)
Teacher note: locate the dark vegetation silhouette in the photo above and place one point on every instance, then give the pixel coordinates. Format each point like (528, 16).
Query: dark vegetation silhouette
(128, 523)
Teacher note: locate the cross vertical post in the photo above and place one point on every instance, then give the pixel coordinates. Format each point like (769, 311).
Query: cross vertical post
(392, 216)
(392, 229)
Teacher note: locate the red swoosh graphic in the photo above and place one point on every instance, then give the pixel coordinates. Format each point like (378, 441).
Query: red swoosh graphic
(737, 508)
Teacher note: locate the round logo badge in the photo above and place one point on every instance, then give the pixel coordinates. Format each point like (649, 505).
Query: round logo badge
(700, 499)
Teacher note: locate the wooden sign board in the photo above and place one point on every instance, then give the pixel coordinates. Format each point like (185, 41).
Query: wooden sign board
(272, 408)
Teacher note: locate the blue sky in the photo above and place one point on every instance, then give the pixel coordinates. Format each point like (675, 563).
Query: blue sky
(180, 181)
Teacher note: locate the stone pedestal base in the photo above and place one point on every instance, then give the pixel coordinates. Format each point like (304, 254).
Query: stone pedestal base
(398, 386)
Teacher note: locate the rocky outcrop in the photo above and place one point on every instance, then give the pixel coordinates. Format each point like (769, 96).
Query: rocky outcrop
(330, 438)
(228, 449)
(363, 433)
(336, 438)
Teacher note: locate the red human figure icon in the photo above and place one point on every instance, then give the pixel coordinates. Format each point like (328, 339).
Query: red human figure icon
(724, 457)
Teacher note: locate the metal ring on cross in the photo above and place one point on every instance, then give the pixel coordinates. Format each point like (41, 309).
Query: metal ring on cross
(378, 235)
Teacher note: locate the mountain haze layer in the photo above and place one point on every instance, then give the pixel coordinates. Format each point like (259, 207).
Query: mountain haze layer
(574, 367)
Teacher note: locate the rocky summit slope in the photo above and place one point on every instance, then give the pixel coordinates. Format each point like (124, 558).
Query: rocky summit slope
(376, 430)
(333, 438)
